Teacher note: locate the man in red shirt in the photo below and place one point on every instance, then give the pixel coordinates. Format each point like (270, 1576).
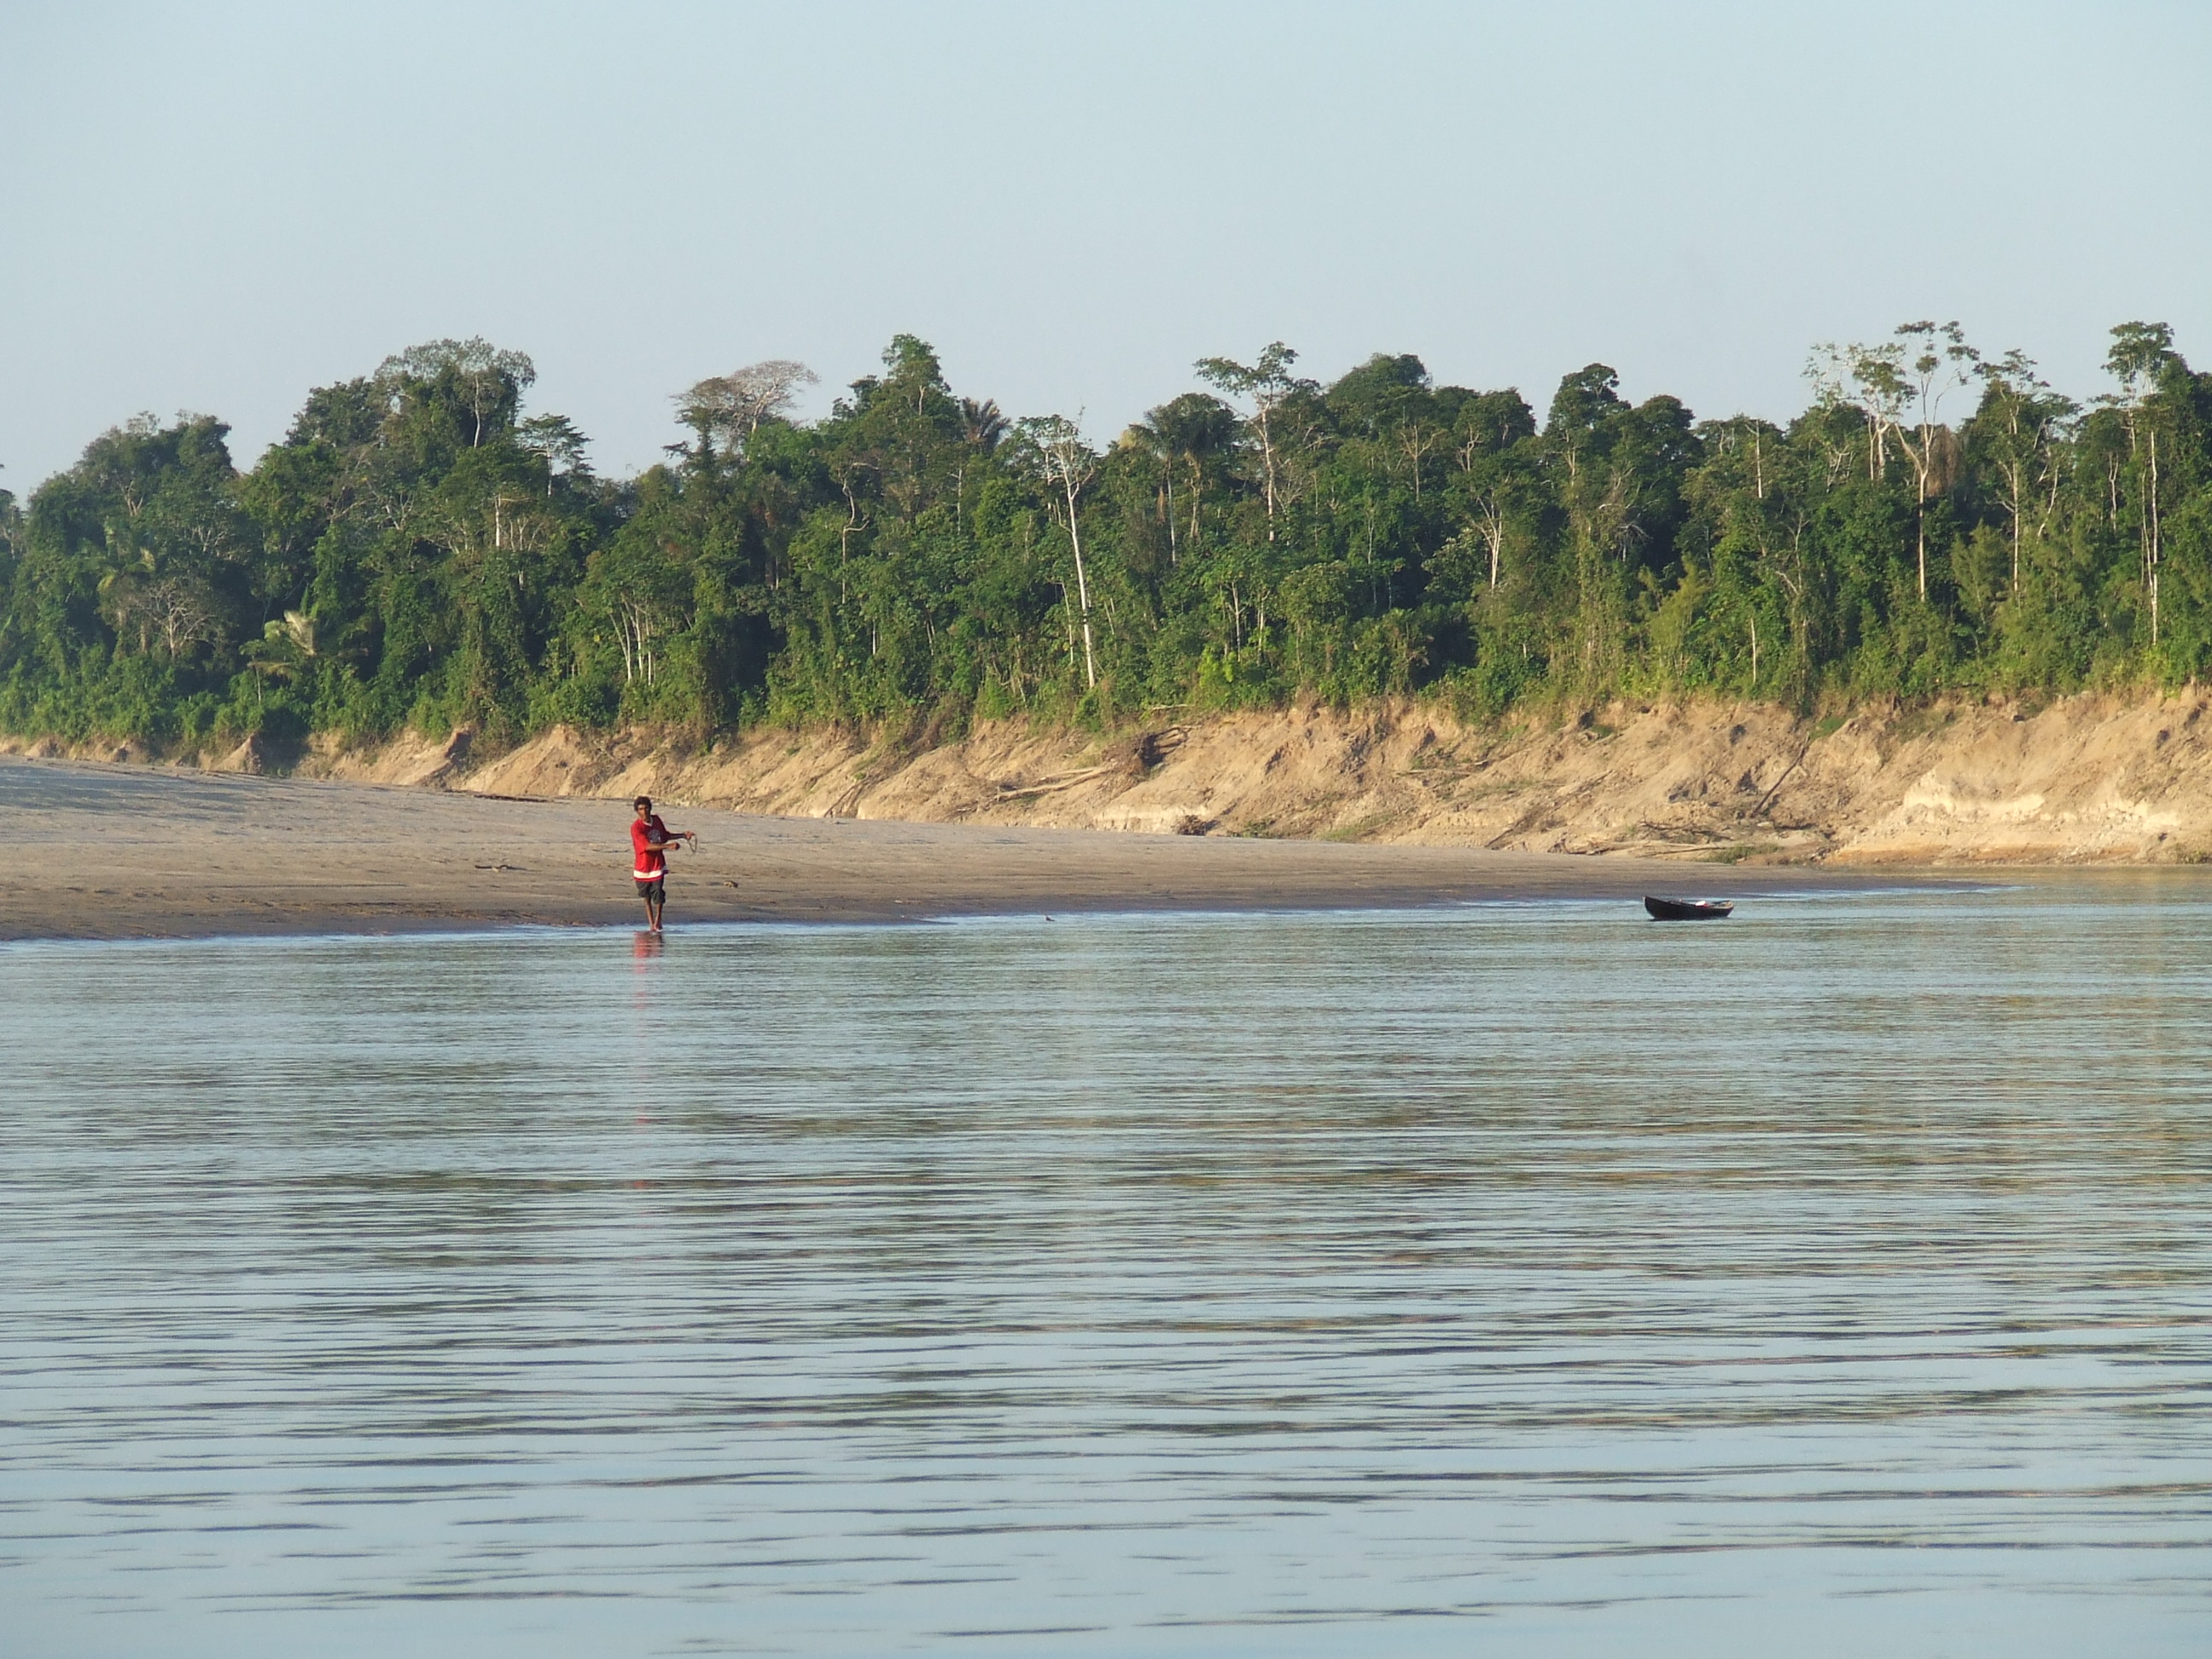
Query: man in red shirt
(648, 837)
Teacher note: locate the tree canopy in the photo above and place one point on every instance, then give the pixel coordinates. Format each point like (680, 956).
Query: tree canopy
(418, 551)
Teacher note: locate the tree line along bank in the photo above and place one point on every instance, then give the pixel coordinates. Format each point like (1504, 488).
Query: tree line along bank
(419, 551)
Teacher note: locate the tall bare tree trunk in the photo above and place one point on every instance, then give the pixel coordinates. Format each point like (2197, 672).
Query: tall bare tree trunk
(1267, 457)
(1082, 584)
(2155, 548)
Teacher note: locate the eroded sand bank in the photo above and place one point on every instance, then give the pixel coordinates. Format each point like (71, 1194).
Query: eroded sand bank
(2088, 779)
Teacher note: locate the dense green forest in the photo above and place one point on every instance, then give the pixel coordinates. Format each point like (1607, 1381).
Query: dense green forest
(420, 551)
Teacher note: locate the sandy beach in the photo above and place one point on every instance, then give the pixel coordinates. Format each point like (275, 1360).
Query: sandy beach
(116, 851)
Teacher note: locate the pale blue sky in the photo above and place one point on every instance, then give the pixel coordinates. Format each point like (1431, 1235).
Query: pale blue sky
(216, 207)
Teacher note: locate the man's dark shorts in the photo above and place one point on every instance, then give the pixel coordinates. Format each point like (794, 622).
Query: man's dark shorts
(654, 891)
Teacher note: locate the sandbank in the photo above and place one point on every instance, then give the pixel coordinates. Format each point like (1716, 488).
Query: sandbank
(128, 852)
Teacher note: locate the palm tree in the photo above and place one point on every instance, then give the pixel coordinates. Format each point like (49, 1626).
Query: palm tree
(981, 423)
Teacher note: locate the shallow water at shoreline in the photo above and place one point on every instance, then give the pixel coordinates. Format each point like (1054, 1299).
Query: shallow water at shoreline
(1832, 1278)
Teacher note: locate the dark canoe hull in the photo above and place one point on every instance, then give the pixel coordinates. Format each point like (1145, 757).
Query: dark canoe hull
(1667, 910)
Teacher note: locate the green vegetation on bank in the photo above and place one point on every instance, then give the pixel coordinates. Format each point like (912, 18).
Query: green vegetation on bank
(418, 551)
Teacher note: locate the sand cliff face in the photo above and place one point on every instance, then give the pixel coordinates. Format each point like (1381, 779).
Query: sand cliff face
(2086, 779)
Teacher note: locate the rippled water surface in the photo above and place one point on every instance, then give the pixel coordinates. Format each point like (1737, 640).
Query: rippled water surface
(1834, 1279)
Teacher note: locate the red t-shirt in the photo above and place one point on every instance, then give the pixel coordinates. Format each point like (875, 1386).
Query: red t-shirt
(650, 865)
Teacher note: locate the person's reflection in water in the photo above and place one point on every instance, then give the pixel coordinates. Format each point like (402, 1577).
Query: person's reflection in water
(645, 949)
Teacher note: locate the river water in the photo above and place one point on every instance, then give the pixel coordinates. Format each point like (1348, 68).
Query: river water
(1528, 1279)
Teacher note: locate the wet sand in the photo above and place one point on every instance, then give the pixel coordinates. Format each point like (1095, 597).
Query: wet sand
(116, 851)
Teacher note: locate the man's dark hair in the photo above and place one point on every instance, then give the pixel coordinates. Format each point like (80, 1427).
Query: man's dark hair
(643, 800)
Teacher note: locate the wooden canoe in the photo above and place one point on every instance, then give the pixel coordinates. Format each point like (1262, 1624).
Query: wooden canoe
(1672, 910)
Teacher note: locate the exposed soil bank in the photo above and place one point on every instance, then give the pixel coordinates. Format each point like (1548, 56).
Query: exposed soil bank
(2086, 779)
